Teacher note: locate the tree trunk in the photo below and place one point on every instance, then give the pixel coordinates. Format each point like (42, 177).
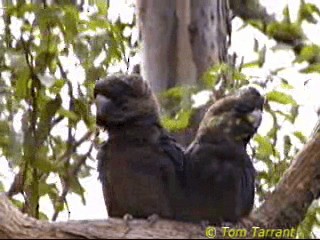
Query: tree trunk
(158, 27)
(209, 29)
(181, 39)
(284, 208)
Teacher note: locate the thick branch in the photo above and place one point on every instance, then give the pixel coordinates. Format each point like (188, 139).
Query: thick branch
(284, 208)
(289, 202)
(13, 224)
(253, 10)
(250, 10)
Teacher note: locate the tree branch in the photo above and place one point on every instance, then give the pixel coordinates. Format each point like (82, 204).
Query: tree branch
(251, 10)
(13, 224)
(288, 204)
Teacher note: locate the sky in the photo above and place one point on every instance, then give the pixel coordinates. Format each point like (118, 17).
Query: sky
(242, 43)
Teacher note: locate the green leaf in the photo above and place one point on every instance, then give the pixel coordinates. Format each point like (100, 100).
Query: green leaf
(239, 76)
(309, 53)
(58, 85)
(175, 93)
(300, 136)
(42, 162)
(102, 7)
(45, 188)
(17, 203)
(180, 122)
(85, 171)
(256, 24)
(71, 19)
(44, 165)
(81, 108)
(22, 84)
(44, 59)
(1, 187)
(284, 31)
(76, 187)
(306, 12)
(68, 114)
(43, 216)
(252, 64)
(286, 115)
(280, 97)
(286, 14)
(93, 73)
(59, 206)
(285, 84)
(312, 68)
(21, 9)
(263, 175)
(210, 77)
(309, 223)
(94, 24)
(46, 116)
(53, 193)
(47, 18)
(265, 148)
(4, 128)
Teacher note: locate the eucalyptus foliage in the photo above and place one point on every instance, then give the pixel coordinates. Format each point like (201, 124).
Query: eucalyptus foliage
(52, 54)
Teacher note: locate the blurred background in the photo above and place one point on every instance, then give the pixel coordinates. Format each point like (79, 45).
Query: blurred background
(52, 52)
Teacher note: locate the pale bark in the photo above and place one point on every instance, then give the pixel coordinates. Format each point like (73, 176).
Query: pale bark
(181, 39)
(186, 68)
(300, 185)
(284, 208)
(209, 29)
(158, 27)
(13, 224)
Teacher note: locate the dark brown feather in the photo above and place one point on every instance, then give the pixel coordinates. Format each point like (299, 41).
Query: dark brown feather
(219, 173)
(140, 166)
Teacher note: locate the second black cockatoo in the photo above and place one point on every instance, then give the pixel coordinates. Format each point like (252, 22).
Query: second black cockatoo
(219, 173)
(140, 166)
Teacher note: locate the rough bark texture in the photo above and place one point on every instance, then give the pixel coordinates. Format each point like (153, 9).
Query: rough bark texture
(209, 29)
(289, 203)
(181, 39)
(186, 68)
(285, 208)
(13, 224)
(158, 27)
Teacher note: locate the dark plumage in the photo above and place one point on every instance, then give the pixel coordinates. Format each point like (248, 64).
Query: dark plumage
(219, 173)
(140, 166)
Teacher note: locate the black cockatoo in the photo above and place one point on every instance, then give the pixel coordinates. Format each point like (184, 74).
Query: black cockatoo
(140, 165)
(220, 175)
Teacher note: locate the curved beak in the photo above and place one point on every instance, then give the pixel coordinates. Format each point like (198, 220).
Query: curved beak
(255, 118)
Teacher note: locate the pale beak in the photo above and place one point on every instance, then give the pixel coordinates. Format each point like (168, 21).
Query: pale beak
(255, 118)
